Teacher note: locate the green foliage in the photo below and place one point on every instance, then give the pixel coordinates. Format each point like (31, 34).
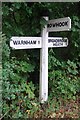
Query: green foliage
(63, 78)
(16, 86)
(21, 67)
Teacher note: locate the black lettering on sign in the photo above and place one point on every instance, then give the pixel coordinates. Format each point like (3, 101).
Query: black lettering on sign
(58, 44)
(38, 42)
(22, 42)
(15, 42)
(65, 39)
(66, 23)
(49, 25)
(53, 25)
(34, 42)
(57, 24)
(55, 40)
(25, 42)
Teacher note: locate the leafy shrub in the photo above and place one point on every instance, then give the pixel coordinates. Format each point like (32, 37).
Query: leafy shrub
(18, 92)
(63, 78)
(19, 67)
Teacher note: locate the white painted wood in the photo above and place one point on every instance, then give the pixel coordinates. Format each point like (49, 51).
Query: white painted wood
(57, 42)
(44, 66)
(61, 24)
(44, 42)
(25, 42)
(36, 42)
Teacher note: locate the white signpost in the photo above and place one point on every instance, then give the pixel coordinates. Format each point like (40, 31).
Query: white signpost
(43, 92)
(57, 42)
(61, 24)
(25, 42)
(36, 42)
(44, 43)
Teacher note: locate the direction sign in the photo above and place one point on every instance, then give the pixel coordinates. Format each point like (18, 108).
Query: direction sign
(36, 42)
(57, 42)
(61, 24)
(44, 42)
(25, 42)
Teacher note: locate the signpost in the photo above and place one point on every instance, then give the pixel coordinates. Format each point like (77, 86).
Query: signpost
(61, 24)
(57, 42)
(36, 42)
(43, 92)
(25, 42)
(44, 42)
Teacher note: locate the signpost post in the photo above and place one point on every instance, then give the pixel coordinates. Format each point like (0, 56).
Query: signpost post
(44, 42)
(44, 66)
